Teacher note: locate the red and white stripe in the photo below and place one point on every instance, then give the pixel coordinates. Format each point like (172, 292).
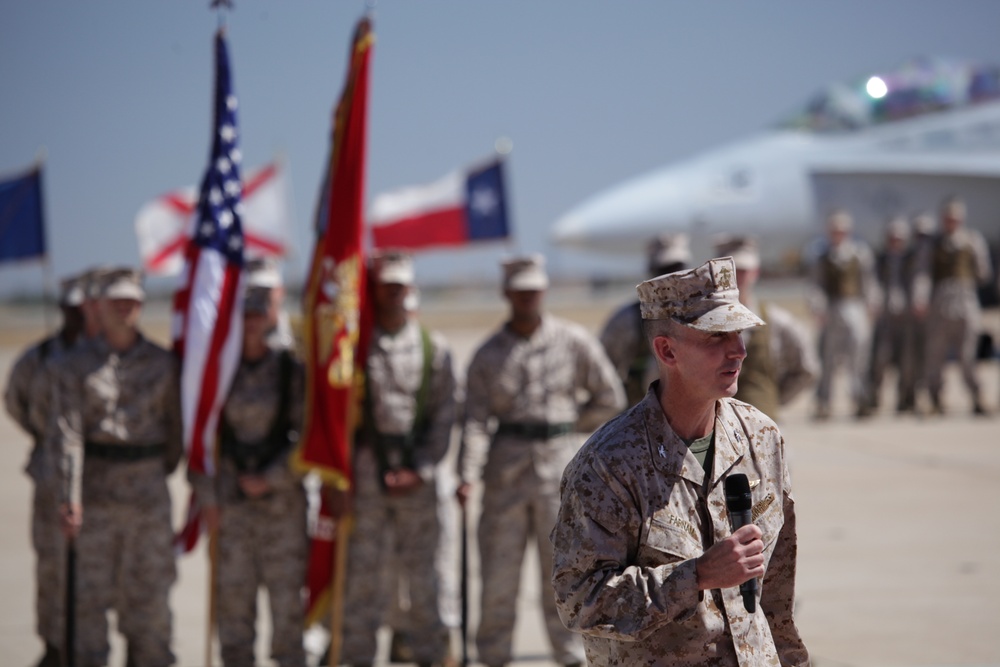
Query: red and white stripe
(208, 336)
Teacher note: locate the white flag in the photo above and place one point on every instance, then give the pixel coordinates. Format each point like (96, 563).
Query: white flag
(163, 225)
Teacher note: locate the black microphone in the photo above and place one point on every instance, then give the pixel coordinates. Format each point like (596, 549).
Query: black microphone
(739, 502)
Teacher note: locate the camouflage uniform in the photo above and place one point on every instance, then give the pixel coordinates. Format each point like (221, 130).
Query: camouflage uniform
(119, 412)
(923, 228)
(637, 510)
(626, 347)
(262, 541)
(845, 291)
(524, 421)
(408, 523)
(894, 334)
(28, 401)
(947, 273)
(622, 336)
(446, 563)
(780, 362)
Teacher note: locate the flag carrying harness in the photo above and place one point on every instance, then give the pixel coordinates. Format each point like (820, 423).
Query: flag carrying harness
(254, 457)
(396, 451)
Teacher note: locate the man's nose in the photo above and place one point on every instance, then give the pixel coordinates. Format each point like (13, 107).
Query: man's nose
(737, 348)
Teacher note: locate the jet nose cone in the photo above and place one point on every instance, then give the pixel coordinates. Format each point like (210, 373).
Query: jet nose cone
(571, 230)
(623, 218)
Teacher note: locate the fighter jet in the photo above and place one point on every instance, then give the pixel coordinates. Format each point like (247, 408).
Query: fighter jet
(890, 143)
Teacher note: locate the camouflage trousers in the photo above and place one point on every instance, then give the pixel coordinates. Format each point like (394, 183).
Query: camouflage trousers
(262, 542)
(846, 339)
(893, 345)
(524, 507)
(954, 329)
(446, 563)
(125, 560)
(50, 564)
(409, 526)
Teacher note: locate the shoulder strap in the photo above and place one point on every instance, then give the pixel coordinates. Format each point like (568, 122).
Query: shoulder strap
(45, 348)
(420, 413)
(282, 419)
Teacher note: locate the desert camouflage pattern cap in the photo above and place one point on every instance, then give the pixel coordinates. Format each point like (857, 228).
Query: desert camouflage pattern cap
(668, 249)
(840, 221)
(743, 250)
(122, 283)
(705, 298)
(924, 224)
(262, 272)
(525, 273)
(897, 228)
(71, 291)
(393, 267)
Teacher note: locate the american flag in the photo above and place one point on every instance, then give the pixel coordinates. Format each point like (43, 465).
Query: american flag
(208, 308)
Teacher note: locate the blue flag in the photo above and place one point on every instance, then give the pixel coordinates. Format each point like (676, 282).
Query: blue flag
(22, 226)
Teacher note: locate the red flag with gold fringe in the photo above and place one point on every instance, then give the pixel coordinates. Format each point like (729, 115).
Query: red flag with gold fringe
(336, 318)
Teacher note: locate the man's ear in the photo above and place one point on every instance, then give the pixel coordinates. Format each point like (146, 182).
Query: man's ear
(663, 349)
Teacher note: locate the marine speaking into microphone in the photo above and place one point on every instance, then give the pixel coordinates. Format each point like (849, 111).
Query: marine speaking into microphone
(739, 503)
(644, 565)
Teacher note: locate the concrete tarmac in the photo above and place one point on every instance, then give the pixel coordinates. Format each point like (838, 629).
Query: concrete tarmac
(899, 522)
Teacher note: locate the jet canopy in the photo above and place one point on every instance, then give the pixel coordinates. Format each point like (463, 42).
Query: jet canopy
(918, 87)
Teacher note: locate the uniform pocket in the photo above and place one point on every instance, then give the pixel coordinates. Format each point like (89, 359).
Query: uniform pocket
(673, 537)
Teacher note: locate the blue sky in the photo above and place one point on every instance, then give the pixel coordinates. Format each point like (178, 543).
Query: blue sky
(118, 93)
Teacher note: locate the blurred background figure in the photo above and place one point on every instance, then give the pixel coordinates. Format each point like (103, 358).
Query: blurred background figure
(256, 501)
(408, 414)
(893, 340)
(535, 390)
(27, 399)
(924, 227)
(843, 297)
(622, 336)
(780, 361)
(949, 270)
(117, 453)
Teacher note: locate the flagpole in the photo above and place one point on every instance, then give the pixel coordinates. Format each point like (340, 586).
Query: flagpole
(46, 293)
(213, 561)
(502, 147)
(337, 593)
(47, 278)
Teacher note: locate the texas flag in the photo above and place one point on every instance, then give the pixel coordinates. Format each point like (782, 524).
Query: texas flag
(463, 207)
(164, 225)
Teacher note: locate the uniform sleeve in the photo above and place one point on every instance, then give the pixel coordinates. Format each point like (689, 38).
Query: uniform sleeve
(984, 266)
(599, 590)
(871, 291)
(797, 365)
(618, 338)
(816, 296)
(475, 429)
(778, 588)
(606, 395)
(441, 410)
(17, 394)
(67, 428)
